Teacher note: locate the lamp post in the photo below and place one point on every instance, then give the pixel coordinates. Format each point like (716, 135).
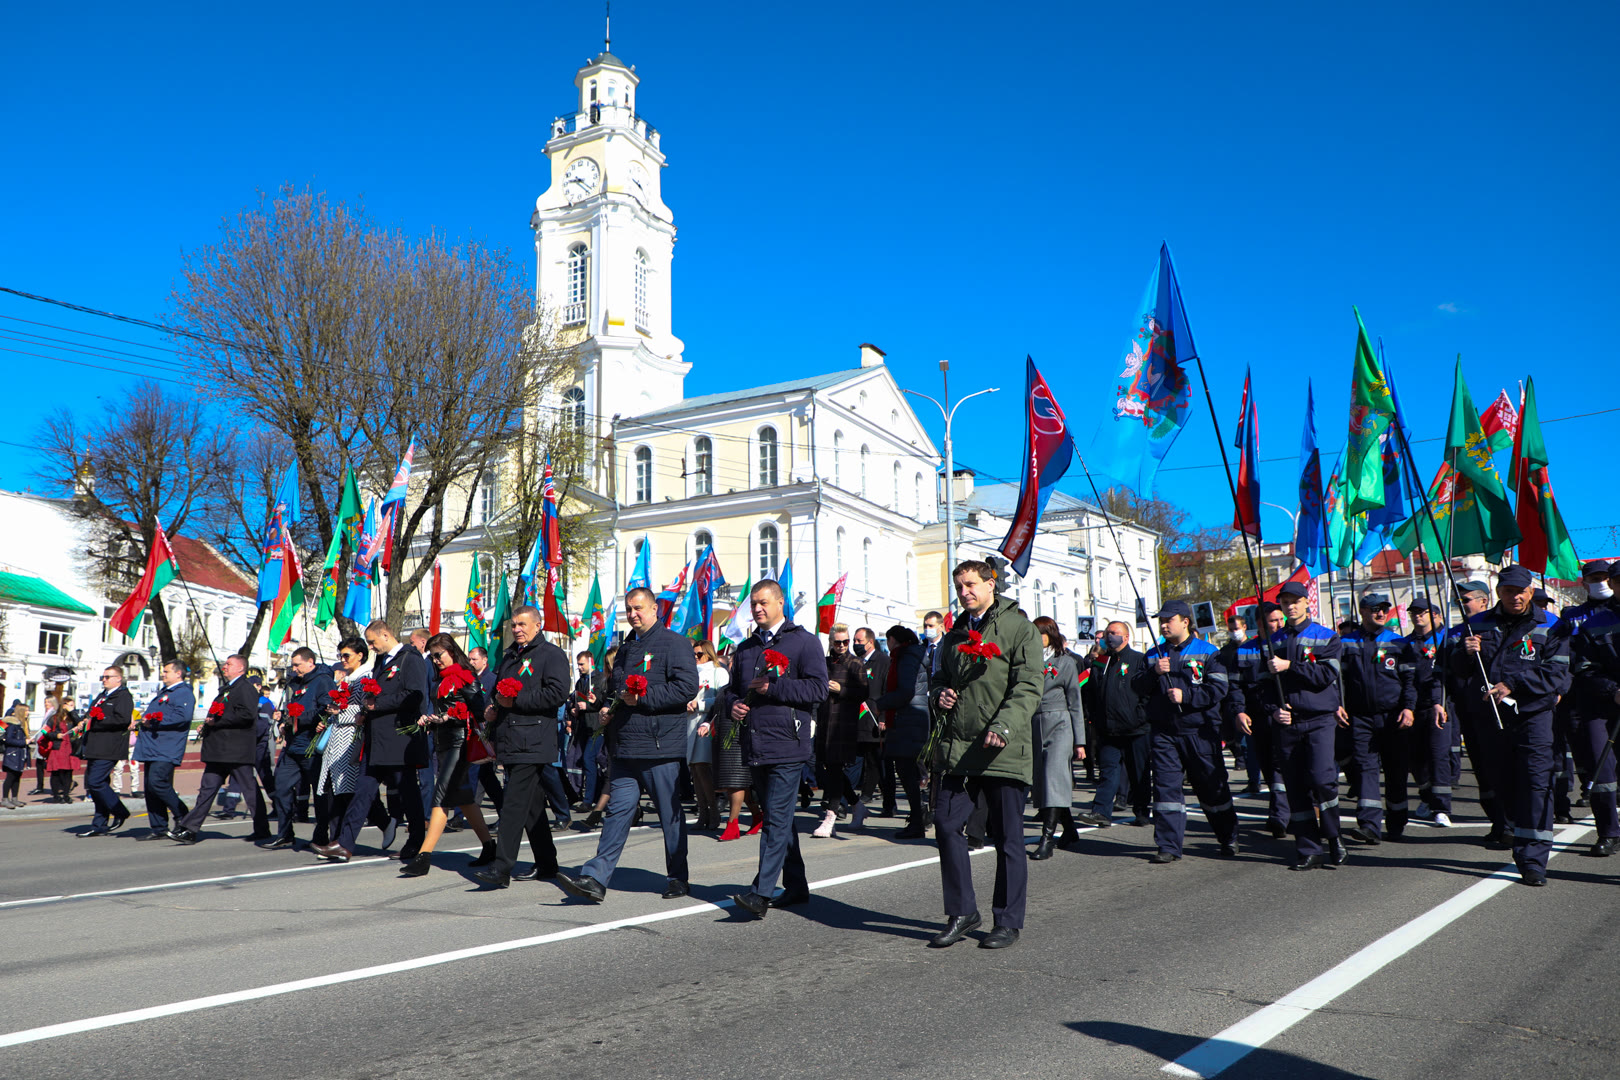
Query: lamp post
(949, 414)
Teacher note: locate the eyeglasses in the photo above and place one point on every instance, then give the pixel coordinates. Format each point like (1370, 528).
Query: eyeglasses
(104, 678)
(840, 641)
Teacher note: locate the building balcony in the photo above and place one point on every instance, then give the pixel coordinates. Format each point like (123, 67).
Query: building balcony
(602, 115)
(574, 314)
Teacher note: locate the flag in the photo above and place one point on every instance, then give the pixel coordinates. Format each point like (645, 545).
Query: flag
(161, 568)
(641, 576)
(477, 625)
(1048, 449)
(1443, 496)
(1546, 546)
(555, 599)
(827, 606)
(1246, 511)
(687, 615)
(741, 623)
(283, 512)
(497, 621)
(1371, 410)
(1310, 532)
(1344, 531)
(596, 619)
(289, 593)
(1153, 395)
(706, 581)
(671, 597)
(393, 504)
(1301, 575)
(1500, 422)
(345, 531)
(357, 601)
(434, 609)
(1469, 451)
(786, 581)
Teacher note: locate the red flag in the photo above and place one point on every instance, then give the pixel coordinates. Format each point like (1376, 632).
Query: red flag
(1048, 449)
(1302, 574)
(1500, 422)
(433, 611)
(827, 606)
(161, 568)
(1246, 512)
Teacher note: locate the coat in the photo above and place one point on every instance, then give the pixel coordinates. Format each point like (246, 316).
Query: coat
(402, 699)
(228, 738)
(107, 739)
(904, 710)
(56, 744)
(838, 726)
(1000, 695)
(312, 692)
(165, 725)
(526, 732)
(1060, 726)
(654, 727)
(1110, 697)
(777, 731)
(874, 673)
(15, 741)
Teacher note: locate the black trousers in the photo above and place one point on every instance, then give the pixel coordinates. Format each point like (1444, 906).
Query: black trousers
(909, 774)
(214, 776)
(61, 783)
(1005, 799)
(294, 771)
(372, 781)
(523, 810)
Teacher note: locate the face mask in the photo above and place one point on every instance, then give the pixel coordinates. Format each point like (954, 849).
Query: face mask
(931, 633)
(1115, 641)
(860, 648)
(1599, 590)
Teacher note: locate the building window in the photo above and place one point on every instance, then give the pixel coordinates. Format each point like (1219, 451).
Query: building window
(489, 583)
(1051, 600)
(838, 459)
(702, 541)
(643, 474)
(767, 457)
(768, 551)
(838, 549)
(1037, 598)
(919, 486)
(896, 504)
(1124, 584)
(866, 564)
(866, 455)
(703, 466)
(1102, 585)
(575, 399)
(1077, 611)
(579, 266)
(641, 290)
(486, 497)
(1141, 548)
(911, 567)
(54, 640)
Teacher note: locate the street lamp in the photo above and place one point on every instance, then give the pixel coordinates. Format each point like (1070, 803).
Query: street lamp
(950, 471)
(1292, 516)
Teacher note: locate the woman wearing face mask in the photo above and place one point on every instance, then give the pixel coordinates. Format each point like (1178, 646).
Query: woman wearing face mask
(1060, 736)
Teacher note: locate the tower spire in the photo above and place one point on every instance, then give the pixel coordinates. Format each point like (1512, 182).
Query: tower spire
(607, 27)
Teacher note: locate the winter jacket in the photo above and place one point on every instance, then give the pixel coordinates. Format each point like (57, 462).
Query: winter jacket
(1311, 683)
(655, 726)
(526, 733)
(1197, 672)
(999, 694)
(838, 725)
(1110, 696)
(1380, 672)
(905, 708)
(1595, 661)
(165, 725)
(777, 731)
(107, 739)
(874, 673)
(15, 741)
(228, 738)
(55, 742)
(312, 692)
(1520, 651)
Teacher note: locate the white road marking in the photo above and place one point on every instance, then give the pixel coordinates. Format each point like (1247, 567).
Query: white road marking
(214, 1001)
(1214, 1055)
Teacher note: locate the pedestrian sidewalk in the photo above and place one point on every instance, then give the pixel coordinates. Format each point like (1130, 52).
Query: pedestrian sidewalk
(35, 807)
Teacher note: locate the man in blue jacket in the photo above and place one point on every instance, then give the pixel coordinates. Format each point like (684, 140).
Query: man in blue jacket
(776, 706)
(161, 745)
(1380, 696)
(646, 738)
(305, 700)
(1248, 716)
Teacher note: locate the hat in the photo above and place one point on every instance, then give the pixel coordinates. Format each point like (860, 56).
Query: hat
(1375, 599)
(1596, 566)
(1476, 586)
(1175, 607)
(1294, 589)
(1540, 596)
(1420, 604)
(1515, 577)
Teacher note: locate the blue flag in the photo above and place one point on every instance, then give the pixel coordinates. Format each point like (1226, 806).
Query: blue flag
(283, 514)
(641, 576)
(1153, 396)
(357, 601)
(1310, 529)
(1048, 449)
(786, 581)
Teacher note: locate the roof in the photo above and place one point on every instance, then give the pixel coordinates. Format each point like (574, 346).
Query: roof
(1002, 501)
(24, 589)
(608, 58)
(819, 382)
(206, 568)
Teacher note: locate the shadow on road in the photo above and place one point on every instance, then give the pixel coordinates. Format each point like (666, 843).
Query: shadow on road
(1260, 1064)
(825, 910)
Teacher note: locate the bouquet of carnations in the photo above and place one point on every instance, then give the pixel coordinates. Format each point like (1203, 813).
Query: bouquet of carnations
(971, 657)
(775, 665)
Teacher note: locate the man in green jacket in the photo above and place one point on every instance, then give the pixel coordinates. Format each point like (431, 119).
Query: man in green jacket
(985, 690)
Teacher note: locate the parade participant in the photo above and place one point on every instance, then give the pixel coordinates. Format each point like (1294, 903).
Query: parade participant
(1059, 738)
(1588, 711)
(1435, 744)
(866, 773)
(1238, 741)
(1526, 669)
(584, 710)
(229, 747)
(484, 772)
(161, 745)
(393, 746)
(531, 685)
(56, 744)
(479, 657)
(986, 697)
(902, 709)
(654, 678)
(1305, 661)
(306, 697)
(1246, 710)
(837, 736)
(1379, 696)
(779, 678)
(105, 731)
(458, 709)
(1119, 715)
(712, 681)
(340, 759)
(1483, 740)
(1183, 685)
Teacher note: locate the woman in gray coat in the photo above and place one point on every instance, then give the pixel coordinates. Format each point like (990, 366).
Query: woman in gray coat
(1060, 736)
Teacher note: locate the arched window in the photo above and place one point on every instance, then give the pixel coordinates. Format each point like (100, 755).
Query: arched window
(1051, 600)
(702, 541)
(767, 457)
(838, 459)
(575, 398)
(486, 497)
(641, 290)
(919, 484)
(1038, 611)
(838, 548)
(866, 455)
(862, 400)
(896, 504)
(579, 266)
(643, 474)
(894, 421)
(768, 551)
(703, 466)
(866, 564)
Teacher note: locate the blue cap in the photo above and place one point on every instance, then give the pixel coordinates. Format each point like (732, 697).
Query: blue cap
(1293, 588)
(1419, 604)
(1516, 577)
(1476, 586)
(1375, 599)
(1175, 607)
(1596, 566)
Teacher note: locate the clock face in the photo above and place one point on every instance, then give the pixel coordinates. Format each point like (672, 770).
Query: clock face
(638, 183)
(580, 179)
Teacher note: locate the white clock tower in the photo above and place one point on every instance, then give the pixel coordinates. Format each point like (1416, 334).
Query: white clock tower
(603, 242)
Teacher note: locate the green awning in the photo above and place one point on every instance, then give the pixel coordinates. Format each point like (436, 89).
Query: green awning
(22, 589)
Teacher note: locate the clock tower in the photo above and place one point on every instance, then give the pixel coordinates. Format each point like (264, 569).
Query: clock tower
(603, 242)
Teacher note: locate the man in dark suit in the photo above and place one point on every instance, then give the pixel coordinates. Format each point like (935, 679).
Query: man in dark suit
(229, 747)
(306, 697)
(395, 745)
(161, 746)
(106, 742)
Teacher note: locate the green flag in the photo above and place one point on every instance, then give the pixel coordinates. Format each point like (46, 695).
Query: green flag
(1417, 529)
(497, 622)
(1371, 410)
(1469, 452)
(345, 530)
(1344, 531)
(1547, 547)
(477, 625)
(596, 621)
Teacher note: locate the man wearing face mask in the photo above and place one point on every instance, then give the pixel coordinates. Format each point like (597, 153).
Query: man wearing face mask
(933, 631)
(1120, 717)
(1248, 715)
(1593, 629)
(837, 736)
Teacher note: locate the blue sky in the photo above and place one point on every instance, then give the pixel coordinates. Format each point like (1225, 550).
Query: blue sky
(950, 181)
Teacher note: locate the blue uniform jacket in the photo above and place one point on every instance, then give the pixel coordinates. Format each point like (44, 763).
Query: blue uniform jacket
(1520, 651)
(1379, 672)
(1195, 668)
(165, 724)
(1311, 684)
(1595, 660)
(1424, 651)
(1245, 675)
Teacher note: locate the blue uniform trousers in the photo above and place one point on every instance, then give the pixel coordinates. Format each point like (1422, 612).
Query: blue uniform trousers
(1380, 742)
(372, 780)
(1122, 758)
(1489, 755)
(161, 801)
(109, 806)
(1525, 778)
(1197, 758)
(1305, 750)
(1588, 741)
(1433, 762)
(293, 770)
(1263, 738)
(777, 788)
(1005, 799)
(629, 778)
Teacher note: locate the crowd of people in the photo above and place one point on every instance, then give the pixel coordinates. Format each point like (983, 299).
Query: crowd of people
(976, 723)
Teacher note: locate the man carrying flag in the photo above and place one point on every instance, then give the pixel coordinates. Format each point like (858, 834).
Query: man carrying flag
(1048, 449)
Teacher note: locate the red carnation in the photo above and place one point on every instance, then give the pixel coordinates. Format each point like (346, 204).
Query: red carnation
(295, 710)
(453, 678)
(635, 684)
(371, 686)
(975, 638)
(458, 711)
(97, 714)
(970, 648)
(508, 688)
(989, 650)
(340, 696)
(777, 662)
(217, 709)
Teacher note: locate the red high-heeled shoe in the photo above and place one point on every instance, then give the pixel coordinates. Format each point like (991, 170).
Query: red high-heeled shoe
(732, 831)
(758, 824)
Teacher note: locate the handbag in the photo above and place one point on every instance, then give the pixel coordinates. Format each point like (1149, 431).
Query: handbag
(477, 751)
(321, 740)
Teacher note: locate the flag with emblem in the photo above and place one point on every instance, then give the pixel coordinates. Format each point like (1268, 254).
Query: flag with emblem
(346, 530)
(289, 593)
(596, 621)
(1371, 410)
(1469, 450)
(1500, 422)
(1048, 450)
(283, 515)
(1546, 546)
(477, 624)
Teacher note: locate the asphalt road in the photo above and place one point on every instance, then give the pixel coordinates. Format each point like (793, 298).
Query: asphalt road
(1123, 968)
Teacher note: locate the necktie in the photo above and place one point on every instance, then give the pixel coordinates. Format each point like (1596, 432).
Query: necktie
(764, 637)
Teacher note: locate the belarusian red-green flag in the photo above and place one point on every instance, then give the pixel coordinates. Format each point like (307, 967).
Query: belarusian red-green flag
(289, 599)
(1489, 518)
(827, 606)
(1371, 410)
(161, 569)
(1546, 546)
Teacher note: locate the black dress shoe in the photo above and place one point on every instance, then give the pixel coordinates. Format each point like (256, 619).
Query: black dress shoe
(791, 899)
(1229, 849)
(94, 830)
(914, 831)
(182, 835)
(255, 837)
(1094, 819)
(418, 866)
(586, 888)
(499, 879)
(533, 872)
(154, 834)
(753, 903)
(1497, 839)
(118, 822)
(1361, 836)
(1563, 819)
(1605, 847)
(1310, 862)
(1338, 854)
(1533, 878)
(955, 930)
(280, 843)
(1140, 819)
(999, 938)
(675, 889)
(1159, 858)
(486, 856)
(1278, 830)
(593, 820)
